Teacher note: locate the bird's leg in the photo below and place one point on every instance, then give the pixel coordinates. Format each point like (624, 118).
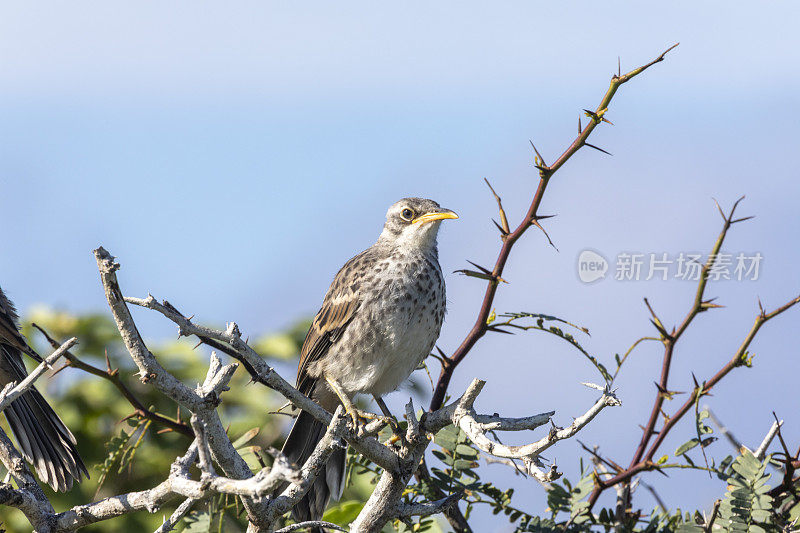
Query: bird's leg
(356, 415)
(382, 405)
(349, 407)
(387, 417)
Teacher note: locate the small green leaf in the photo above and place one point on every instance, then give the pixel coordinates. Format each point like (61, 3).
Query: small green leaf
(686, 446)
(343, 513)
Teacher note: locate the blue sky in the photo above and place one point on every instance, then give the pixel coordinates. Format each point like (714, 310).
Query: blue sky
(234, 157)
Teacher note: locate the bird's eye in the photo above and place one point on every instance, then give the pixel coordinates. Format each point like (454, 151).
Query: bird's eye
(407, 214)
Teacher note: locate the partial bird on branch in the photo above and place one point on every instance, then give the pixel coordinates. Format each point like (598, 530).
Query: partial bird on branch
(45, 441)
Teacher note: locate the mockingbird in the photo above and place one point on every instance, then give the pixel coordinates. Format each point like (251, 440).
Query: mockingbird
(45, 441)
(380, 318)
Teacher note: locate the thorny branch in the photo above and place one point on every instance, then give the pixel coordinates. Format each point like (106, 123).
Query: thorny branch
(464, 416)
(531, 218)
(670, 339)
(112, 375)
(509, 238)
(643, 456)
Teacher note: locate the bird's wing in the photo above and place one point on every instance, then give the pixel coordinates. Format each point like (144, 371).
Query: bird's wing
(11, 366)
(337, 311)
(9, 331)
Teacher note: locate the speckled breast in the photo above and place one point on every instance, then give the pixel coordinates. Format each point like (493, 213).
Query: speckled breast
(405, 308)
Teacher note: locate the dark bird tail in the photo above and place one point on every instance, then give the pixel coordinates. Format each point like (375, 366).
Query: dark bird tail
(45, 441)
(306, 433)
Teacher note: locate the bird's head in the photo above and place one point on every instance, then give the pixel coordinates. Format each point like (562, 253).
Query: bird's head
(414, 223)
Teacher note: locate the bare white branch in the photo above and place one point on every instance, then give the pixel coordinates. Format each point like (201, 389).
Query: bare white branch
(308, 525)
(203, 450)
(170, 523)
(761, 451)
(266, 375)
(13, 390)
(414, 429)
(428, 508)
(332, 439)
(202, 403)
(179, 483)
(476, 426)
(545, 478)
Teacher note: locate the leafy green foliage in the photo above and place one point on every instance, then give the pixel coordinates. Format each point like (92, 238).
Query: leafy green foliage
(130, 455)
(121, 450)
(747, 506)
(344, 512)
(460, 460)
(564, 497)
(250, 453)
(701, 429)
(198, 522)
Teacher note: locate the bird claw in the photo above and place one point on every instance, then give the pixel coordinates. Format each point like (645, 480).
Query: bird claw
(358, 418)
(393, 424)
(361, 418)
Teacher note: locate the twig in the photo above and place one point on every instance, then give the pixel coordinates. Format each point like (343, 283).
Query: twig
(310, 524)
(464, 417)
(739, 359)
(714, 513)
(761, 451)
(429, 508)
(480, 326)
(14, 390)
(504, 228)
(170, 523)
(112, 375)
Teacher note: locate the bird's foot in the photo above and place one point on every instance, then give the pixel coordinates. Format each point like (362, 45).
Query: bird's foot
(358, 418)
(361, 419)
(389, 421)
(366, 423)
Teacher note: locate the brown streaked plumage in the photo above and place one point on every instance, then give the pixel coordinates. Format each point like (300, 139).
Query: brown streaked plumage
(380, 318)
(43, 438)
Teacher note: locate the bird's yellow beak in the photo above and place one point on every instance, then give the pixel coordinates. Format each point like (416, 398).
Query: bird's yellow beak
(430, 217)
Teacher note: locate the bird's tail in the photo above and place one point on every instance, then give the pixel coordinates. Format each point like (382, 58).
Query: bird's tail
(45, 441)
(306, 432)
